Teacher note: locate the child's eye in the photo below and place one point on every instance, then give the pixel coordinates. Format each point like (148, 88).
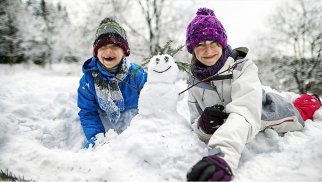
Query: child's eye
(213, 42)
(200, 44)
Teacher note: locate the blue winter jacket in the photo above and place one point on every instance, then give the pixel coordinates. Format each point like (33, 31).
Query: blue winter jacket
(91, 116)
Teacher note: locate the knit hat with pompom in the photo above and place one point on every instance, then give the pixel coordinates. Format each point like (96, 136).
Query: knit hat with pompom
(110, 32)
(205, 26)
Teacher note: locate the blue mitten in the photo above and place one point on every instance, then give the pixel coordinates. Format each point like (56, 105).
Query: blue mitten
(90, 143)
(98, 139)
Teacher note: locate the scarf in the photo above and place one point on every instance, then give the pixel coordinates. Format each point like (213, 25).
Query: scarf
(108, 92)
(202, 71)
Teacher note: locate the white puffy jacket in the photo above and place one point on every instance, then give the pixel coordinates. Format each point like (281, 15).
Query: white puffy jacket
(242, 96)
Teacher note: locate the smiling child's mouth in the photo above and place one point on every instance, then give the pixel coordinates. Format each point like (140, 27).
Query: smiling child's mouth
(108, 58)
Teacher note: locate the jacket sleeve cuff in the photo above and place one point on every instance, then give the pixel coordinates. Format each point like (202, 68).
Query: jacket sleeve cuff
(201, 134)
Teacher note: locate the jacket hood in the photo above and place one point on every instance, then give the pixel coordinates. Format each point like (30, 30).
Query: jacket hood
(90, 64)
(239, 53)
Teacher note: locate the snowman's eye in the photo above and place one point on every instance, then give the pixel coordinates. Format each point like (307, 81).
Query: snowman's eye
(166, 59)
(157, 60)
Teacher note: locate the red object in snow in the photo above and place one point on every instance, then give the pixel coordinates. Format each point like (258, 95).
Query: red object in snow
(306, 105)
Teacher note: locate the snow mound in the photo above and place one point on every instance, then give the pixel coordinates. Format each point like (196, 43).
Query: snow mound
(41, 139)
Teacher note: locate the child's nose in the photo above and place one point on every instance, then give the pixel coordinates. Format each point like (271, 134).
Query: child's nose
(108, 50)
(208, 48)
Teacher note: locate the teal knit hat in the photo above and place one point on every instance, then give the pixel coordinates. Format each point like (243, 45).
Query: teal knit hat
(110, 32)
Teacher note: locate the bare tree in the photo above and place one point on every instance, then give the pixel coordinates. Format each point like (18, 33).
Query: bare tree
(149, 12)
(296, 36)
(149, 24)
(152, 10)
(152, 23)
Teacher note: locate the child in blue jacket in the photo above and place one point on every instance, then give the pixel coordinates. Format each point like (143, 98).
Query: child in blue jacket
(109, 88)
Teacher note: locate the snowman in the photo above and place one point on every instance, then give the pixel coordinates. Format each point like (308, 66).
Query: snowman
(159, 94)
(159, 144)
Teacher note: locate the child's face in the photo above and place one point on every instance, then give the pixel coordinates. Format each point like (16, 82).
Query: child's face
(110, 55)
(208, 52)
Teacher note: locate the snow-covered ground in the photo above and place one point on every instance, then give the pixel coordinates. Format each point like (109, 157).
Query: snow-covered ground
(41, 138)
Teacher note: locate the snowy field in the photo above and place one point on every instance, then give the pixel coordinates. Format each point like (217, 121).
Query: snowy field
(41, 139)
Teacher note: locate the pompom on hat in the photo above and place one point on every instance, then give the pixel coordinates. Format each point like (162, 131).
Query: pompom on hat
(110, 32)
(205, 26)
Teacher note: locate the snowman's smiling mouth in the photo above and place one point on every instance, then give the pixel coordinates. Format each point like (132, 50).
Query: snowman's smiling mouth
(163, 70)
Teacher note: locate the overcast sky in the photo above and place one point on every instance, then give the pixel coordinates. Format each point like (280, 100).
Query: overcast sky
(242, 19)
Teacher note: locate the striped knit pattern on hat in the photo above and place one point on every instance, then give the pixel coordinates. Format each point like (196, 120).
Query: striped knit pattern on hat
(110, 32)
(205, 27)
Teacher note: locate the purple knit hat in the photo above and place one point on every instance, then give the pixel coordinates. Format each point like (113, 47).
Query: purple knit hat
(205, 26)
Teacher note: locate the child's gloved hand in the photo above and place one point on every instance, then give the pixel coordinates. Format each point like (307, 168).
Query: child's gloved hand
(212, 118)
(210, 168)
(90, 143)
(98, 138)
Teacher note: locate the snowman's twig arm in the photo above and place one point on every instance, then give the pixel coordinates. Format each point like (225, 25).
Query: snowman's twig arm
(230, 68)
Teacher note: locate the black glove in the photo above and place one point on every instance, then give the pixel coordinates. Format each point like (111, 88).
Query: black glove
(211, 168)
(212, 118)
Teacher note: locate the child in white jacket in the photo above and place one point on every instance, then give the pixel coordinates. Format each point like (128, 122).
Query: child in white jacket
(228, 107)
